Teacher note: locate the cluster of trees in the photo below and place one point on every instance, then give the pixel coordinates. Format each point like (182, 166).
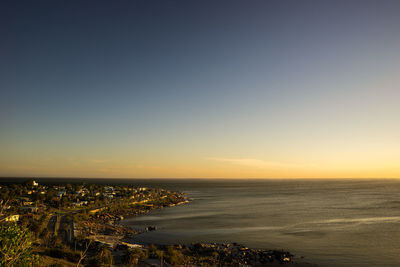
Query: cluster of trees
(8, 192)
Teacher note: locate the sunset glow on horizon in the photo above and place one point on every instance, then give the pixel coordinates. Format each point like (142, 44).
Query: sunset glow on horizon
(200, 89)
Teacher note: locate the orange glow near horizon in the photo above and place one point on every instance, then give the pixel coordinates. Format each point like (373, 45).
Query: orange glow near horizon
(205, 168)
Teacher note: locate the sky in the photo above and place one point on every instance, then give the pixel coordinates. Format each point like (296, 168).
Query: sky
(200, 89)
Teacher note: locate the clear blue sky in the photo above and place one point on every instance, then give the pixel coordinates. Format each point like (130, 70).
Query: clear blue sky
(200, 88)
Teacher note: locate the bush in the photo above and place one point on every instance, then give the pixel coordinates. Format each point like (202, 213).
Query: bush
(94, 262)
(174, 257)
(132, 256)
(104, 254)
(16, 246)
(63, 254)
(155, 253)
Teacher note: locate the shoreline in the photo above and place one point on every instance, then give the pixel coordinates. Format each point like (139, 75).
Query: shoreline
(238, 253)
(112, 224)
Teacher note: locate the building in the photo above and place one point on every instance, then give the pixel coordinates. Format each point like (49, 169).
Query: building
(108, 195)
(60, 194)
(9, 218)
(80, 193)
(80, 203)
(30, 209)
(94, 211)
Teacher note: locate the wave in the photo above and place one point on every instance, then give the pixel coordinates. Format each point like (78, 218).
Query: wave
(385, 219)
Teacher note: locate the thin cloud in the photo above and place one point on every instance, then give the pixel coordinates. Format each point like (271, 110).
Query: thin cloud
(257, 163)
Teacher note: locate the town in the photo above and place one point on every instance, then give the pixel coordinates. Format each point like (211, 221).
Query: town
(68, 222)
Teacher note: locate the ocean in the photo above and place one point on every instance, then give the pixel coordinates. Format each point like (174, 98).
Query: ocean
(328, 222)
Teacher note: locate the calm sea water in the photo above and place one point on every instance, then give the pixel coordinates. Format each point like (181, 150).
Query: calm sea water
(329, 222)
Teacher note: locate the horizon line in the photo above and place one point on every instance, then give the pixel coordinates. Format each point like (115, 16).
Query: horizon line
(199, 178)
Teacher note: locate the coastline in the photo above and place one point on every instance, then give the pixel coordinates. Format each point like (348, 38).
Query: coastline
(113, 233)
(236, 254)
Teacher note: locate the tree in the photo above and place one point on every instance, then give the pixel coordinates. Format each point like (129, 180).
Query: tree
(16, 246)
(104, 254)
(132, 256)
(155, 253)
(83, 253)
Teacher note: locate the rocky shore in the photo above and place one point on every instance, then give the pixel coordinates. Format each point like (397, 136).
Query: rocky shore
(211, 254)
(105, 228)
(233, 254)
(197, 254)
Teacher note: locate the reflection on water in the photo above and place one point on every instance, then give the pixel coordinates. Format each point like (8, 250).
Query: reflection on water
(333, 223)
